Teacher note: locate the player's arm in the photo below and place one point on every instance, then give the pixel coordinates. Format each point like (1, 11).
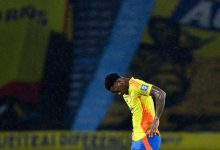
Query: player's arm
(159, 98)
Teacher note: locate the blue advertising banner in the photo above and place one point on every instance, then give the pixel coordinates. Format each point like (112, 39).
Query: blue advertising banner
(199, 13)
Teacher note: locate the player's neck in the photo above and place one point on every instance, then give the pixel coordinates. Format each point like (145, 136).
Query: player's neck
(127, 85)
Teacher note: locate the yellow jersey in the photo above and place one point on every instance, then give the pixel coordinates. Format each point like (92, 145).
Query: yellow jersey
(142, 107)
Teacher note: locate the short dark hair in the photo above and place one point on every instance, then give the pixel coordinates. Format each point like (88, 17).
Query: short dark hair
(110, 80)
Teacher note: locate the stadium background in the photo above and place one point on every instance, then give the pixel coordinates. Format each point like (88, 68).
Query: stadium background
(55, 54)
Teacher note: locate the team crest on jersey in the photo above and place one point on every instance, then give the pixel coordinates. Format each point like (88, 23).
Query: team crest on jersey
(144, 87)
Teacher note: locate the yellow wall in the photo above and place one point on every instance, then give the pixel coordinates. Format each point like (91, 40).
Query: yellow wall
(63, 140)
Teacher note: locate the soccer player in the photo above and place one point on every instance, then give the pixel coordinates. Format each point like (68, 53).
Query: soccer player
(145, 120)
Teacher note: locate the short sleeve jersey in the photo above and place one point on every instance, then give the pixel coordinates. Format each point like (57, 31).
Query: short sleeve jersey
(141, 105)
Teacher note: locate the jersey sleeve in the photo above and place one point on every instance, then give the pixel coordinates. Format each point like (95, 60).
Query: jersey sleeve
(140, 87)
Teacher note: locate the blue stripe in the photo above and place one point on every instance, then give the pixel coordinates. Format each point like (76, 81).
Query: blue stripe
(117, 56)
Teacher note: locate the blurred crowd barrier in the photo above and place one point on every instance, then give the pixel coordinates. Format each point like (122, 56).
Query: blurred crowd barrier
(179, 52)
(66, 140)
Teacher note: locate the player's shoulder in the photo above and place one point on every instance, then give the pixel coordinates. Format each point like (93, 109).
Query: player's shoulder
(138, 84)
(134, 82)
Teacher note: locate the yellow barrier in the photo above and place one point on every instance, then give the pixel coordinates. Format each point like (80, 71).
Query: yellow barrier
(63, 140)
(66, 140)
(190, 141)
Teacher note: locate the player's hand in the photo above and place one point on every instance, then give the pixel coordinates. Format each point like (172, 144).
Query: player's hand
(154, 126)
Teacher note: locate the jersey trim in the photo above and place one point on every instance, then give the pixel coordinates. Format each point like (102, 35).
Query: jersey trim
(146, 117)
(134, 83)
